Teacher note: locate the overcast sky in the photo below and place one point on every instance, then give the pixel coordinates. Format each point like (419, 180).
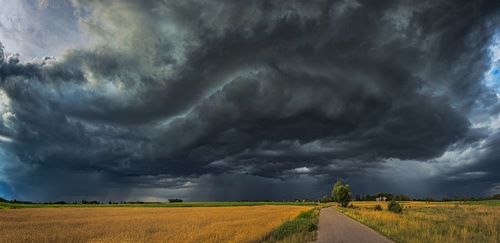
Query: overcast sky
(231, 100)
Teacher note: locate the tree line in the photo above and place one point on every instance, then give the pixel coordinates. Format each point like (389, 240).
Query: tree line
(387, 196)
(342, 194)
(171, 200)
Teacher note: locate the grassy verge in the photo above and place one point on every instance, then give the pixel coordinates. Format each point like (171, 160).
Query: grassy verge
(486, 203)
(4, 205)
(431, 222)
(301, 229)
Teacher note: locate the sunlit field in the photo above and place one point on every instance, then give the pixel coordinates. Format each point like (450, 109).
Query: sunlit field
(193, 224)
(431, 222)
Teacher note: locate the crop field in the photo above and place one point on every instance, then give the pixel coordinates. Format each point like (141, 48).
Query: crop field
(145, 224)
(432, 222)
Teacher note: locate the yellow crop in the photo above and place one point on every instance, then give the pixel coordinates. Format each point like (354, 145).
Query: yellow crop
(197, 224)
(431, 222)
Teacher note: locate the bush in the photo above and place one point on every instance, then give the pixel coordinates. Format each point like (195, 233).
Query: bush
(377, 208)
(395, 207)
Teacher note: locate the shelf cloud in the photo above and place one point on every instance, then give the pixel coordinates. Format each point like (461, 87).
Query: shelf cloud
(229, 100)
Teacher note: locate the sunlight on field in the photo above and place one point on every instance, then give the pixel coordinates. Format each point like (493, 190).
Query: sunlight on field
(221, 224)
(431, 222)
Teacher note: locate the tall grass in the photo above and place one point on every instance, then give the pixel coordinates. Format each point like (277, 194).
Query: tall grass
(431, 222)
(301, 229)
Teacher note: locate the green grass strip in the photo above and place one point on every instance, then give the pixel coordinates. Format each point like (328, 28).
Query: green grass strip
(301, 229)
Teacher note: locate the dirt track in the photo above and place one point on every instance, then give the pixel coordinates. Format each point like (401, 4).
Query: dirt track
(336, 227)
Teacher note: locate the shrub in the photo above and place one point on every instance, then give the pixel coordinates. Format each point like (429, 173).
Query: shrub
(395, 207)
(377, 208)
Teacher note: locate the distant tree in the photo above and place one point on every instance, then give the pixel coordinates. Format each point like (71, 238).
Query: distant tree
(174, 200)
(429, 199)
(341, 194)
(402, 198)
(371, 197)
(90, 202)
(326, 199)
(445, 199)
(358, 198)
(388, 196)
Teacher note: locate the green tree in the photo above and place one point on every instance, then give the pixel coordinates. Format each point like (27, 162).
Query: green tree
(325, 199)
(341, 194)
(402, 198)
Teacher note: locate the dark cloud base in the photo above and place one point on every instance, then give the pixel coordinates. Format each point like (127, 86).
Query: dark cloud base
(274, 100)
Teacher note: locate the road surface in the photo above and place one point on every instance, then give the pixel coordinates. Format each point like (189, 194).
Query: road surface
(336, 227)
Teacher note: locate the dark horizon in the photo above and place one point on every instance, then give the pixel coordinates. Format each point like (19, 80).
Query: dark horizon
(367, 197)
(222, 100)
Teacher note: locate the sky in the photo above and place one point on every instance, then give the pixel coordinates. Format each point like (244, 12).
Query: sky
(248, 100)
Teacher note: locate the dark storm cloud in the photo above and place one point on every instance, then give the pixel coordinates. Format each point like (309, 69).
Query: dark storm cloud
(477, 177)
(180, 92)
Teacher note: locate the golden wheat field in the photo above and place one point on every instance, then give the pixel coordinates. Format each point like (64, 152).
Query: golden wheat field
(197, 224)
(431, 222)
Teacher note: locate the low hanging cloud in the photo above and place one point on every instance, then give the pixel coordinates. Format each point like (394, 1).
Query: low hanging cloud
(174, 97)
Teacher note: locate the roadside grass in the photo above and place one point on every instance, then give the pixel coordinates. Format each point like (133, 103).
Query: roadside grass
(301, 229)
(431, 222)
(5, 205)
(486, 203)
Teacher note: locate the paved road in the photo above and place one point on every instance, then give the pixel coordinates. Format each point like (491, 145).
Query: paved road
(336, 227)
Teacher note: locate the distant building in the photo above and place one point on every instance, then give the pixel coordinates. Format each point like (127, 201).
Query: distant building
(381, 199)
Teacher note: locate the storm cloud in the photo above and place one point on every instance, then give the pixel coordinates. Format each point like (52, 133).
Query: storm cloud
(206, 100)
